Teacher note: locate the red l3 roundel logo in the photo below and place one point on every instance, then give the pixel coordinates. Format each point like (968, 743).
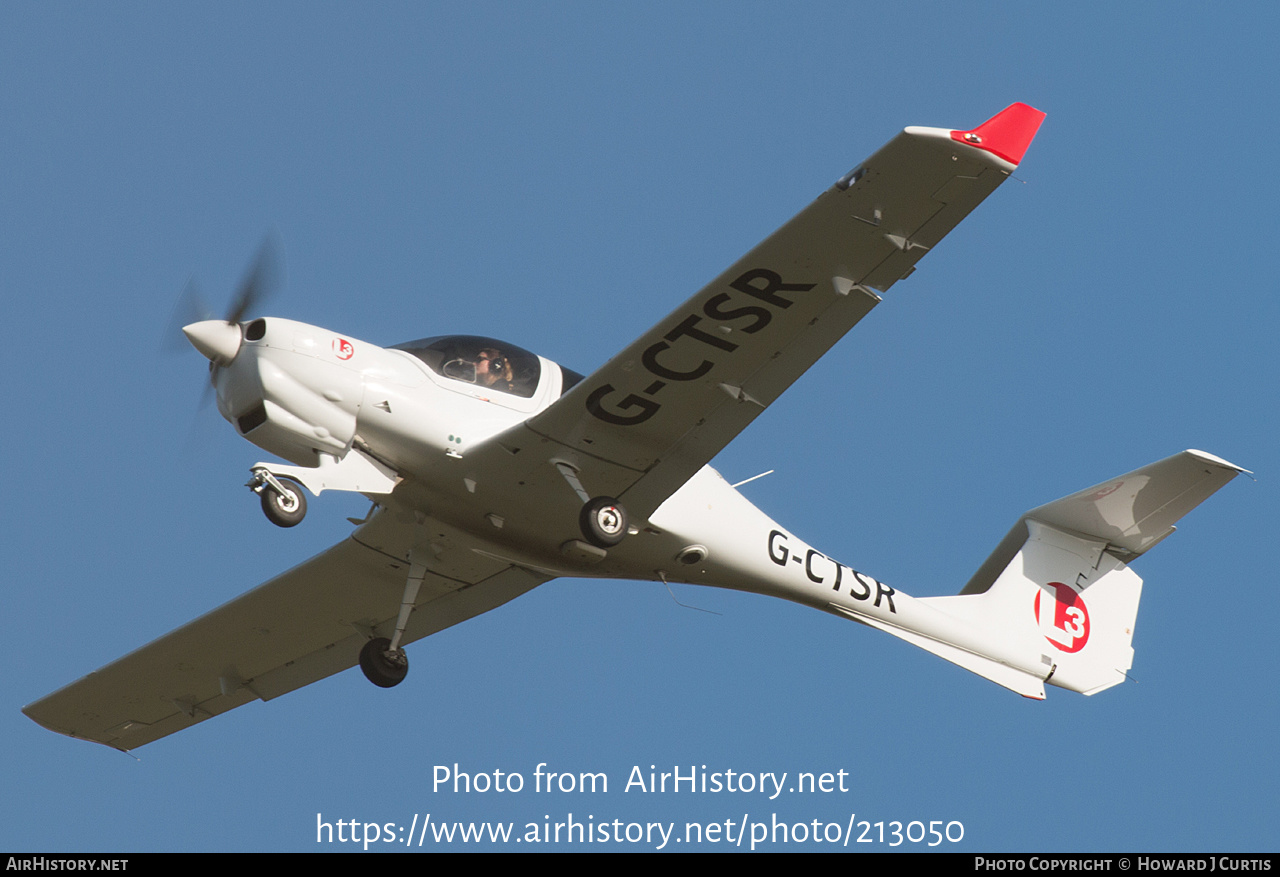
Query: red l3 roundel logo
(1066, 624)
(342, 348)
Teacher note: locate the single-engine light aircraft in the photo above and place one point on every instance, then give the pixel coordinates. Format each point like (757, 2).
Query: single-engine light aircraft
(492, 470)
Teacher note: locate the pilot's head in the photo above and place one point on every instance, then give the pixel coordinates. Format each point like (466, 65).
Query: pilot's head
(492, 366)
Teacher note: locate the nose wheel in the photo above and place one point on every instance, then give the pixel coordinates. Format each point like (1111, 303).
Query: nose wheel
(603, 521)
(284, 501)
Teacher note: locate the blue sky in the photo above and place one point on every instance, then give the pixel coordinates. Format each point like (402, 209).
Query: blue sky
(562, 176)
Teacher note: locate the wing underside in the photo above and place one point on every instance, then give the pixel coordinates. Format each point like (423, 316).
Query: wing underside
(298, 628)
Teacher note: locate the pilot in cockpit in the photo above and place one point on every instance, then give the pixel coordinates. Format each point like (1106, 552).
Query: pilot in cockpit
(485, 366)
(493, 369)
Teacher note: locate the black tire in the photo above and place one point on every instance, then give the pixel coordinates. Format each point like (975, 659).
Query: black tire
(378, 668)
(285, 511)
(603, 521)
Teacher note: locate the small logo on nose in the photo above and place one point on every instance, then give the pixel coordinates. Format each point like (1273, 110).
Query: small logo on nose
(343, 349)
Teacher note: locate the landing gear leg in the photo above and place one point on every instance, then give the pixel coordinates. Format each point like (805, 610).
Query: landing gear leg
(382, 660)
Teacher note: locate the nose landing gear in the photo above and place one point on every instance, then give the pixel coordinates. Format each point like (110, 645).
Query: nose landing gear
(284, 501)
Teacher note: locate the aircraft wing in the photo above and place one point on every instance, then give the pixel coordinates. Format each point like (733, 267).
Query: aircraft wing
(296, 629)
(643, 424)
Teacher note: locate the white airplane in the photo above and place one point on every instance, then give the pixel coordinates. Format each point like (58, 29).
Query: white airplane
(493, 470)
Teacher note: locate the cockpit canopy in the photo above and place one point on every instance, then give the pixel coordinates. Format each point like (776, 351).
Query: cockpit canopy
(484, 362)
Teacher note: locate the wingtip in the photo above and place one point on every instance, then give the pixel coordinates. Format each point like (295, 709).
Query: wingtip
(1007, 134)
(1217, 461)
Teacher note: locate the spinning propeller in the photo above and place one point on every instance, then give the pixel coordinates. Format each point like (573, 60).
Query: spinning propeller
(219, 340)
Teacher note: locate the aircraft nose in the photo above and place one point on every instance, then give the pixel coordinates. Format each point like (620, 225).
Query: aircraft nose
(219, 341)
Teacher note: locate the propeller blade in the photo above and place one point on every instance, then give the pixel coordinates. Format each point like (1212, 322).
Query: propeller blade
(261, 280)
(210, 391)
(218, 340)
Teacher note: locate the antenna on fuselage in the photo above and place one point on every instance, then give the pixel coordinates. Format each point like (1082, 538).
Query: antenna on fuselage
(662, 575)
(752, 478)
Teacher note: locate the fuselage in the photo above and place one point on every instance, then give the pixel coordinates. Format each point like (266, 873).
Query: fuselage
(300, 391)
(304, 393)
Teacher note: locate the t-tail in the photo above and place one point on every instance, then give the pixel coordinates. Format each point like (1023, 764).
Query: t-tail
(1059, 586)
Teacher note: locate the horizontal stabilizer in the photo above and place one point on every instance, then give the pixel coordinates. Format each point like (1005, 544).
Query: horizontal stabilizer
(1130, 514)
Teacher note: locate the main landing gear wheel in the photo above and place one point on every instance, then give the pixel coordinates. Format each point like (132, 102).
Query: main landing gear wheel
(603, 521)
(381, 666)
(285, 509)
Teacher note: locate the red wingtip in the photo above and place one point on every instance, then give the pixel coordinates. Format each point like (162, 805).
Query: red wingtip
(1006, 134)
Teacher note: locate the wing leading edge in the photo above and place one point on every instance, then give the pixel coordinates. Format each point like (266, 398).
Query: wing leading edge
(645, 422)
